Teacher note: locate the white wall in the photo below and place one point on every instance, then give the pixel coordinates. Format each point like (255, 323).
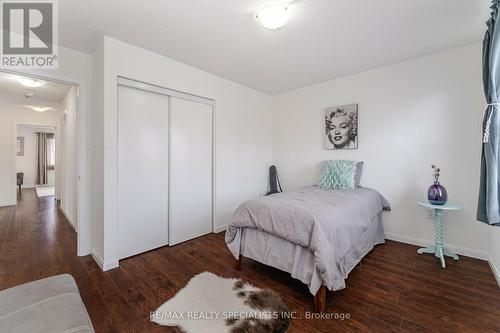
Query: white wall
(76, 67)
(28, 162)
(97, 165)
(69, 156)
(411, 114)
(494, 251)
(12, 113)
(243, 130)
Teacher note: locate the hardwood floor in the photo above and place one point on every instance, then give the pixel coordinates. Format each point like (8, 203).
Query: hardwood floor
(393, 290)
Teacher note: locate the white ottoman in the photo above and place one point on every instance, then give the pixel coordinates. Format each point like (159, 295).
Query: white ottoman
(49, 305)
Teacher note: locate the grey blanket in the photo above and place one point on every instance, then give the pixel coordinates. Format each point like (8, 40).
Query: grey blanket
(328, 222)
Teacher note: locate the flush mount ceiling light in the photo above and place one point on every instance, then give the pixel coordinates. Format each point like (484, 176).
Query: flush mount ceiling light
(40, 108)
(273, 16)
(30, 83)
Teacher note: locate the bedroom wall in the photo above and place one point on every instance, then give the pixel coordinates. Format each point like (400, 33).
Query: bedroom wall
(494, 251)
(69, 156)
(97, 165)
(411, 114)
(242, 130)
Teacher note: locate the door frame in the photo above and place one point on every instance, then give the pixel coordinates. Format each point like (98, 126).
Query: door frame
(83, 247)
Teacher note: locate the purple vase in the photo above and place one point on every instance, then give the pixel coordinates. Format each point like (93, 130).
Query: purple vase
(437, 194)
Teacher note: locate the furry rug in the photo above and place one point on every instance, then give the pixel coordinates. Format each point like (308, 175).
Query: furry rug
(210, 303)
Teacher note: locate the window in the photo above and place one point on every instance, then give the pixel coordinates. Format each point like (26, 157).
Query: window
(51, 152)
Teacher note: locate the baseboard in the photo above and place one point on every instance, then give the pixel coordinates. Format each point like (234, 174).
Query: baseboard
(105, 266)
(495, 270)
(97, 258)
(83, 253)
(453, 248)
(220, 228)
(68, 218)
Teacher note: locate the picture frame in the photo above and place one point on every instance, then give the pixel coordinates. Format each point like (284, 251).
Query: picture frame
(341, 127)
(20, 146)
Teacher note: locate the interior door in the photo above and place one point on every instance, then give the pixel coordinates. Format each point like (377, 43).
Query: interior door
(143, 136)
(190, 170)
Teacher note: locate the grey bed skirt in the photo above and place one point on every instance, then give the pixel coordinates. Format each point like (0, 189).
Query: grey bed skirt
(299, 261)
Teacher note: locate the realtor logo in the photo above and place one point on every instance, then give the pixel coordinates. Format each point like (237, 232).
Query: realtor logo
(29, 34)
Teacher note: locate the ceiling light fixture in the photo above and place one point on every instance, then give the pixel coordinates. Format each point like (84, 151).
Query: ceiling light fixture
(30, 83)
(40, 108)
(273, 16)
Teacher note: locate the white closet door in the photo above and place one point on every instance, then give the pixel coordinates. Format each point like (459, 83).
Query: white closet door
(190, 170)
(143, 125)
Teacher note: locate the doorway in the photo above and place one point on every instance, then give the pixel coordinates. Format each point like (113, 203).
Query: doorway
(40, 119)
(36, 160)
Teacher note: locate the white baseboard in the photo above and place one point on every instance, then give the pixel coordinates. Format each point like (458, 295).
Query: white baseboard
(83, 253)
(495, 270)
(68, 218)
(220, 228)
(453, 248)
(97, 258)
(105, 266)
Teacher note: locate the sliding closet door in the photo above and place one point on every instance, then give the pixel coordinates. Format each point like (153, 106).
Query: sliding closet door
(190, 170)
(143, 125)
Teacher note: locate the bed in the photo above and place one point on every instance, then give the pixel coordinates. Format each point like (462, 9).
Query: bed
(317, 235)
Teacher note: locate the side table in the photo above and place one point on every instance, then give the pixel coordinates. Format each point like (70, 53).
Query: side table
(438, 249)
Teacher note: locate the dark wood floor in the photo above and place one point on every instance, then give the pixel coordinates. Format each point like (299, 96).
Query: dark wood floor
(393, 290)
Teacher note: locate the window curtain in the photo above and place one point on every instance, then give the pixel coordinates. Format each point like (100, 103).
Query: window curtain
(488, 210)
(45, 156)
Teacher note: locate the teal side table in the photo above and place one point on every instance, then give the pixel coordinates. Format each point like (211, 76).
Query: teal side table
(438, 249)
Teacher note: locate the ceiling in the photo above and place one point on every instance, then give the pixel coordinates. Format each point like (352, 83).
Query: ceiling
(324, 39)
(50, 92)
